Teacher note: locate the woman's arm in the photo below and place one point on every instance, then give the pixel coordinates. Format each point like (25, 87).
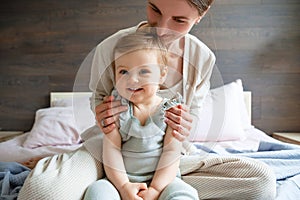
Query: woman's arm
(196, 80)
(101, 82)
(105, 108)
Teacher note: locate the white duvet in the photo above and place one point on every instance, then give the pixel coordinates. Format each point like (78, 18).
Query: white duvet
(13, 151)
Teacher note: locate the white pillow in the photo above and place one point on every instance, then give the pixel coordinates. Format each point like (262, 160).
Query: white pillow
(53, 126)
(224, 116)
(84, 117)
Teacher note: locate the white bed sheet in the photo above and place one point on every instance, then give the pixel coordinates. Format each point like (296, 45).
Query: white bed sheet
(249, 143)
(13, 151)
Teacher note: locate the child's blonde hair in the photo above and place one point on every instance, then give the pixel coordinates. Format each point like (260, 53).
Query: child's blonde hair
(142, 39)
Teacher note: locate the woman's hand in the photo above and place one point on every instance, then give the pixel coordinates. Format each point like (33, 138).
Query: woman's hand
(180, 120)
(107, 114)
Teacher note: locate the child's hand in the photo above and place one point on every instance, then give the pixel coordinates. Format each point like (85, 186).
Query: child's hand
(130, 190)
(149, 194)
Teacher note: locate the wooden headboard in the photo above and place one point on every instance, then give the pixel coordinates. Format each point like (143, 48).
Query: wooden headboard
(54, 96)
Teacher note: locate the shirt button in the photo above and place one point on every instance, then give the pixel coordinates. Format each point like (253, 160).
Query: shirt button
(187, 86)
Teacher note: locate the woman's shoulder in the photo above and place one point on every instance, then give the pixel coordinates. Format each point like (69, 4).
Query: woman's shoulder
(196, 45)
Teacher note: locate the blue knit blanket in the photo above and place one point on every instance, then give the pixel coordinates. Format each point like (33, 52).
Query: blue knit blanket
(282, 158)
(12, 177)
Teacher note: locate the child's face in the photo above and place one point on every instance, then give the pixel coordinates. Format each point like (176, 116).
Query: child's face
(138, 75)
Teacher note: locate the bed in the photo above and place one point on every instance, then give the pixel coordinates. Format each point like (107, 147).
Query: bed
(58, 129)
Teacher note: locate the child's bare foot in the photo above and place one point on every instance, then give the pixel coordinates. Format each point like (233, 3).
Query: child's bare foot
(31, 163)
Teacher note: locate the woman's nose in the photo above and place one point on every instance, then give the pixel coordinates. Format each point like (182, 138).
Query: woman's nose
(162, 27)
(161, 31)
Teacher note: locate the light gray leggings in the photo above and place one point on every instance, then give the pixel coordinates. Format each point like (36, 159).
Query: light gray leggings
(176, 190)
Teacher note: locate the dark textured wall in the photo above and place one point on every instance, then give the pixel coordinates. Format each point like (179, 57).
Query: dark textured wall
(43, 43)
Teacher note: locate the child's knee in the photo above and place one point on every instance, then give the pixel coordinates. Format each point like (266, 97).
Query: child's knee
(178, 189)
(101, 189)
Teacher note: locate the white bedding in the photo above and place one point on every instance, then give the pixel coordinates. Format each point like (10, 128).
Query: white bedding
(13, 151)
(250, 142)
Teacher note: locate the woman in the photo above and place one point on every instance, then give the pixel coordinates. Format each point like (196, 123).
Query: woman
(67, 176)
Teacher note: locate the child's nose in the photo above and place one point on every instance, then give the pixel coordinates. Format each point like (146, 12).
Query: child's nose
(133, 78)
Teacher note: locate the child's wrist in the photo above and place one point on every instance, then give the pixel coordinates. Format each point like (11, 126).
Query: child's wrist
(123, 186)
(154, 189)
(154, 192)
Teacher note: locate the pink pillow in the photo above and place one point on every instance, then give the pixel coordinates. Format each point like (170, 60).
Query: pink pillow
(84, 117)
(223, 116)
(53, 126)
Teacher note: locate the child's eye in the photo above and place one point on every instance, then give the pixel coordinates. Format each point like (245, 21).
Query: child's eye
(123, 71)
(144, 71)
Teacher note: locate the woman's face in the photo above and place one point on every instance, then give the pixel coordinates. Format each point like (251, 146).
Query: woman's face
(172, 17)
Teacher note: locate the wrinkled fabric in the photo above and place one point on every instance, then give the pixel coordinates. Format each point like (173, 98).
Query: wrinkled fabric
(12, 177)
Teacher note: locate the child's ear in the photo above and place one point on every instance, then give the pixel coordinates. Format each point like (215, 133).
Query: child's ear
(163, 75)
